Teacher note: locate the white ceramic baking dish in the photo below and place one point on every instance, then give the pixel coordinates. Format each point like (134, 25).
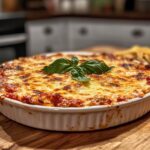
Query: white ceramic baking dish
(75, 119)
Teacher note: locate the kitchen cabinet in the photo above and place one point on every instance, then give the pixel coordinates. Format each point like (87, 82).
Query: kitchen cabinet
(86, 33)
(46, 36)
(78, 33)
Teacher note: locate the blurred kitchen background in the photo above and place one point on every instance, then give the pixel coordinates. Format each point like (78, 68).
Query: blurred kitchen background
(29, 27)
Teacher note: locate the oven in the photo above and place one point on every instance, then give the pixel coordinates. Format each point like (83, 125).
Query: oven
(12, 36)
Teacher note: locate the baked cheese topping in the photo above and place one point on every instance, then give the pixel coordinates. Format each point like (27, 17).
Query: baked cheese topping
(24, 80)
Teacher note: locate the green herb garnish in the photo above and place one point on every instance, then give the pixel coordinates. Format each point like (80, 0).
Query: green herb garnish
(78, 72)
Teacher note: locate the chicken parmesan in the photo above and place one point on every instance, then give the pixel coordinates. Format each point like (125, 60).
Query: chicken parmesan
(24, 80)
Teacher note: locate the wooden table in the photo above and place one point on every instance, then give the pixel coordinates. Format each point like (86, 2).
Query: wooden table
(131, 136)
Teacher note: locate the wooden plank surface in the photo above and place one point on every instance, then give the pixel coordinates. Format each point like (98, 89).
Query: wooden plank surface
(131, 136)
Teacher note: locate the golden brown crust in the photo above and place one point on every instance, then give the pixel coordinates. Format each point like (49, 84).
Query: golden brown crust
(24, 80)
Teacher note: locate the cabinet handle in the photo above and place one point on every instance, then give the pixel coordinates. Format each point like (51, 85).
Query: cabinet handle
(48, 30)
(137, 33)
(83, 31)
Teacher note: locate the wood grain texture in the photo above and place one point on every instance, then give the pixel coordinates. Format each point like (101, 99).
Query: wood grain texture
(134, 135)
(130, 136)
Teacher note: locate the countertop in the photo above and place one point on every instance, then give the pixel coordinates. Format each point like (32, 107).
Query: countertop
(15, 15)
(36, 15)
(131, 136)
(30, 15)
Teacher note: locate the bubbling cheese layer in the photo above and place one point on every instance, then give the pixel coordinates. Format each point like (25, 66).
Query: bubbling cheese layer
(24, 80)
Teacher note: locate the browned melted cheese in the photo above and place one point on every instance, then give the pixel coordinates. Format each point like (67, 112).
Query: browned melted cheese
(24, 80)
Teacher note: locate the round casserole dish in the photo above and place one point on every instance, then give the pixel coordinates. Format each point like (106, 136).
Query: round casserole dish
(75, 119)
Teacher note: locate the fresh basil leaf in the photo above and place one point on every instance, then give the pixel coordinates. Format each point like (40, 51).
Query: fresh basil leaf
(79, 75)
(58, 66)
(75, 61)
(94, 67)
(78, 72)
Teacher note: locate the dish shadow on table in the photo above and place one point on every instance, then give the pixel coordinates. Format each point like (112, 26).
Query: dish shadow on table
(33, 138)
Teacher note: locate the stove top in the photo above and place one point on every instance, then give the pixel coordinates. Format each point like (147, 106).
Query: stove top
(15, 15)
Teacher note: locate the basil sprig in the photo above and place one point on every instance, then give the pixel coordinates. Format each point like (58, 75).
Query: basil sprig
(78, 72)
